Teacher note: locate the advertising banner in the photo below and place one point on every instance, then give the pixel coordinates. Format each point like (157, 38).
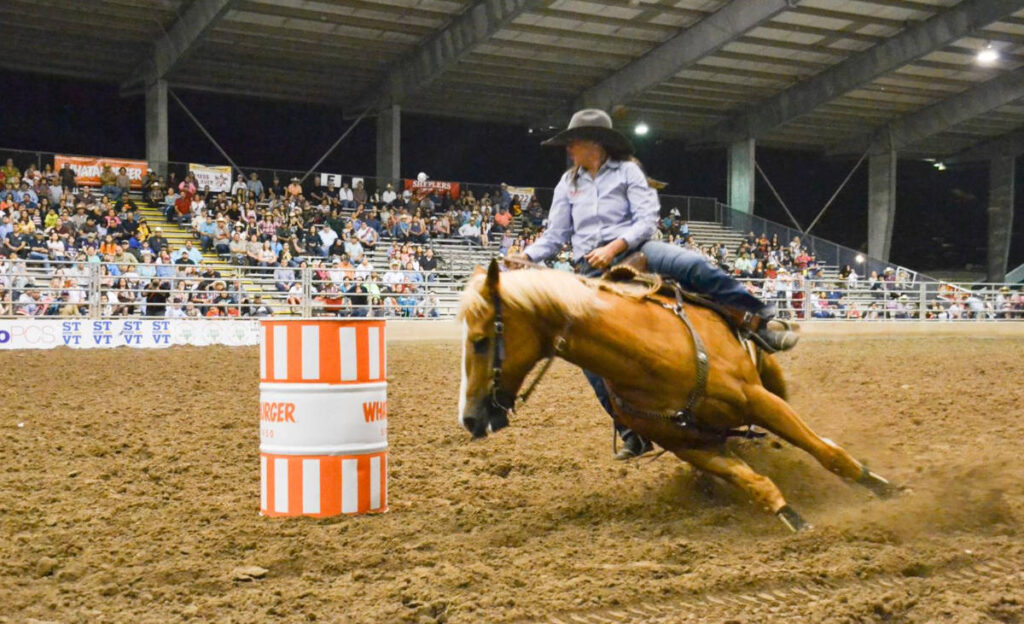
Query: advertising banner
(330, 179)
(421, 189)
(88, 168)
(217, 178)
(138, 333)
(523, 193)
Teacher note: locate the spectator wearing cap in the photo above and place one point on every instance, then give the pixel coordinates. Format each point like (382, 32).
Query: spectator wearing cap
(294, 190)
(187, 254)
(157, 242)
(37, 249)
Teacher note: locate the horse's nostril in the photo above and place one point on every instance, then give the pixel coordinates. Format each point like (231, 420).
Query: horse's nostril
(469, 423)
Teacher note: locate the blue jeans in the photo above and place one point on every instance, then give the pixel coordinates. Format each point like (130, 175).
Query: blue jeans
(695, 273)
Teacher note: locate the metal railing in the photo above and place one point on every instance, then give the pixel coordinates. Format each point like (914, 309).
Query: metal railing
(112, 289)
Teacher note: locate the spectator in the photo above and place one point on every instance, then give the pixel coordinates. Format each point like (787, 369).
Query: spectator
(108, 183)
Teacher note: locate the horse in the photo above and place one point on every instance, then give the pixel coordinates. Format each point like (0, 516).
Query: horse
(511, 320)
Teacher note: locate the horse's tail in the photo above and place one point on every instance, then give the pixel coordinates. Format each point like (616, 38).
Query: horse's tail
(771, 375)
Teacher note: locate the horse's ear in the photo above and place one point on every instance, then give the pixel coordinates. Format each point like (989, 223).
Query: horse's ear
(493, 272)
(478, 270)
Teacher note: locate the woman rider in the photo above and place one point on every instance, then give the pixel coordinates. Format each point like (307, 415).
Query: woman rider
(604, 206)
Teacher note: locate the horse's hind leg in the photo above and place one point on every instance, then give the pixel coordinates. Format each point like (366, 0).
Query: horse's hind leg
(774, 414)
(737, 472)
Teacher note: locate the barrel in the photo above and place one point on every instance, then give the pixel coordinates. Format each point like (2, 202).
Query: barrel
(323, 417)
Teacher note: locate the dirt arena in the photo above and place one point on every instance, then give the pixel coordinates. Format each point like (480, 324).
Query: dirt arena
(129, 490)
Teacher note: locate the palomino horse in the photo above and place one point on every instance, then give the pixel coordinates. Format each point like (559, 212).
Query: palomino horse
(512, 320)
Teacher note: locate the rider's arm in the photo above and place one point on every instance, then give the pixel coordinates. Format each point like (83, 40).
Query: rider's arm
(559, 227)
(644, 204)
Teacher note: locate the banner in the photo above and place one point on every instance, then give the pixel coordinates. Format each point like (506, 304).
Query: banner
(129, 332)
(217, 178)
(330, 179)
(523, 193)
(88, 168)
(420, 189)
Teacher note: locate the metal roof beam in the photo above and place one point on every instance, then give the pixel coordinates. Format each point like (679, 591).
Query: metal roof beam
(184, 34)
(1011, 144)
(418, 69)
(918, 126)
(686, 48)
(861, 69)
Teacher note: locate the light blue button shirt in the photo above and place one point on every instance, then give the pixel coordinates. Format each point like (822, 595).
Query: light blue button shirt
(589, 211)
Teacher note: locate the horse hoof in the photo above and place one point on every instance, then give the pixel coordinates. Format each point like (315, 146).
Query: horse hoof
(792, 519)
(877, 484)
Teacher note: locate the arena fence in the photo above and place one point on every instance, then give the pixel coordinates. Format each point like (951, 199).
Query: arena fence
(41, 288)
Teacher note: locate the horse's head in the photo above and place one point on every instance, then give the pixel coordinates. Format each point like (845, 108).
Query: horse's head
(500, 346)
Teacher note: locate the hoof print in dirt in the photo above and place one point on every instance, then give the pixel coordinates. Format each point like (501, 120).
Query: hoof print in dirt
(247, 574)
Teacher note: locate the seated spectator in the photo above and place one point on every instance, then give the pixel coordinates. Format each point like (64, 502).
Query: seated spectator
(238, 250)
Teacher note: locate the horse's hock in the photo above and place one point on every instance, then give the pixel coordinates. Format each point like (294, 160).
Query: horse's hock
(139, 501)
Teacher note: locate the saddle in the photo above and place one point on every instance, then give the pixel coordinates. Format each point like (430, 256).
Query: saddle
(632, 279)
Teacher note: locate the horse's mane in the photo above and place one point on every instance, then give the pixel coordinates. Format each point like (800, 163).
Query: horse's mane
(541, 292)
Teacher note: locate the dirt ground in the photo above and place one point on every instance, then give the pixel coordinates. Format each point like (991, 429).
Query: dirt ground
(129, 491)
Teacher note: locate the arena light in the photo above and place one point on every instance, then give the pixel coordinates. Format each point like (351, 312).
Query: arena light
(859, 259)
(987, 55)
(941, 166)
(641, 129)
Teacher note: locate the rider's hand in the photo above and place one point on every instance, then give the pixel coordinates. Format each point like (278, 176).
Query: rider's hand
(602, 257)
(517, 260)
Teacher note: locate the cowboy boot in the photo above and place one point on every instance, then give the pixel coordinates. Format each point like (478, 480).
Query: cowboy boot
(771, 340)
(632, 446)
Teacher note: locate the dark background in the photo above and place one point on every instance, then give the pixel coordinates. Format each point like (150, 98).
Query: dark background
(940, 221)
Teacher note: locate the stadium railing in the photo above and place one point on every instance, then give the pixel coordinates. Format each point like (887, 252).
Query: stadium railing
(92, 290)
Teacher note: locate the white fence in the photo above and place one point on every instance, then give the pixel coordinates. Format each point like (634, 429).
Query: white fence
(99, 291)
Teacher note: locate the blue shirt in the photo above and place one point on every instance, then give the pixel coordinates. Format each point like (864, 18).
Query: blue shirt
(590, 211)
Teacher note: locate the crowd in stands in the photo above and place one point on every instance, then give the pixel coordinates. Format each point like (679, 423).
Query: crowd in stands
(279, 231)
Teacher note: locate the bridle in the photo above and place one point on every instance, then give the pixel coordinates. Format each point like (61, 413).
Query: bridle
(499, 397)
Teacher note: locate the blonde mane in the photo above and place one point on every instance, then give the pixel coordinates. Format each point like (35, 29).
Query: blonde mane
(546, 293)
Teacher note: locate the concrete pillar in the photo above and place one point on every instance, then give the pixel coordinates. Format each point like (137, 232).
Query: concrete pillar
(742, 174)
(156, 126)
(389, 146)
(881, 203)
(1000, 215)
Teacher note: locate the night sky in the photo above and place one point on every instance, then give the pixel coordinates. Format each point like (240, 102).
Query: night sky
(940, 221)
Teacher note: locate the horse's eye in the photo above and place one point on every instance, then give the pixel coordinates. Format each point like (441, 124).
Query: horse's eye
(480, 346)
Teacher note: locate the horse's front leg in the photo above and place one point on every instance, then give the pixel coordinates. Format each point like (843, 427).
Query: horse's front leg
(737, 472)
(774, 414)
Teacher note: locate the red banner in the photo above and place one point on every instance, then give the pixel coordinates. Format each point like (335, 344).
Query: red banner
(88, 168)
(421, 189)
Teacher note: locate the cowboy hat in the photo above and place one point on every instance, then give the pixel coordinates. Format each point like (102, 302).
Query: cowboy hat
(592, 124)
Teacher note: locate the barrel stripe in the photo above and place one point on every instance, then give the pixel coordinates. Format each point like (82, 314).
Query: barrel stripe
(263, 483)
(349, 485)
(310, 352)
(374, 348)
(375, 482)
(323, 485)
(311, 486)
(323, 352)
(281, 352)
(281, 485)
(347, 351)
(263, 351)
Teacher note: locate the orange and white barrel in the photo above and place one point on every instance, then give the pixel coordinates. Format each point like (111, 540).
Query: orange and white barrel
(323, 417)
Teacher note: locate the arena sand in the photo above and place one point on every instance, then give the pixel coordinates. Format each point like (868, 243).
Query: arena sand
(129, 488)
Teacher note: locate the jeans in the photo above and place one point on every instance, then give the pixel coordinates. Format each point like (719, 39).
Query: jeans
(695, 273)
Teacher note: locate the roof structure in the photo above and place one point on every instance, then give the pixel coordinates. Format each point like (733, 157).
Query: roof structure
(839, 76)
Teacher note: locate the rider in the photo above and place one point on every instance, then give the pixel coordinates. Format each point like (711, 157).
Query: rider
(605, 207)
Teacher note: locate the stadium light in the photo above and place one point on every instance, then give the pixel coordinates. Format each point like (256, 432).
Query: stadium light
(941, 166)
(987, 55)
(859, 259)
(641, 129)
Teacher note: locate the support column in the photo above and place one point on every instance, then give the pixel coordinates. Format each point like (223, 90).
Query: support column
(389, 145)
(741, 176)
(1000, 215)
(156, 126)
(881, 203)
